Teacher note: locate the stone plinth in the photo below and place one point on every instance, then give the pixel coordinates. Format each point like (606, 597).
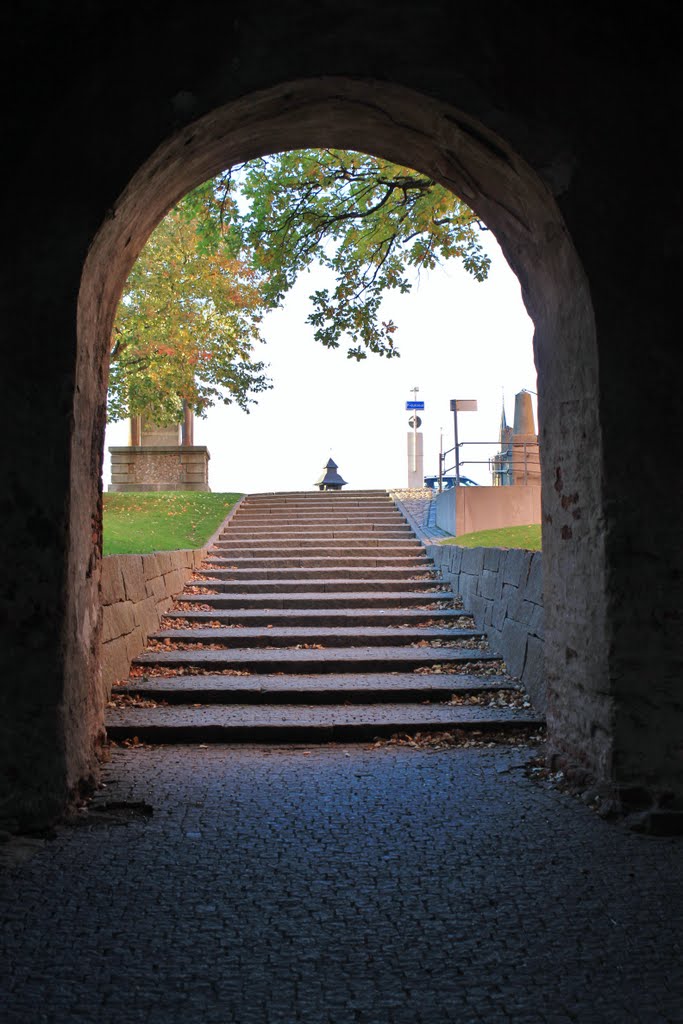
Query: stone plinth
(415, 459)
(162, 468)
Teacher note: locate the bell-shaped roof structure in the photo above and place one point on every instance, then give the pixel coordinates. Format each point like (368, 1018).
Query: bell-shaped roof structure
(330, 479)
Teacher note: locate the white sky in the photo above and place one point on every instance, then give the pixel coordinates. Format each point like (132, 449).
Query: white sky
(458, 339)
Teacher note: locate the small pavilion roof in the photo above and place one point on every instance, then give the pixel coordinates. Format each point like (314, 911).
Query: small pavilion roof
(330, 475)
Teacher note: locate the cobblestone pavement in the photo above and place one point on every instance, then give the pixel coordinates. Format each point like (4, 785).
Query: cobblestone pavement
(384, 886)
(419, 507)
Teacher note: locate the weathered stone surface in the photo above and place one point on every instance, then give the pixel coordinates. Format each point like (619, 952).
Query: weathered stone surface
(174, 581)
(533, 675)
(514, 602)
(117, 620)
(492, 559)
(513, 644)
(164, 561)
(514, 566)
(314, 724)
(112, 586)
(133, 577)
(115, 661)
(467, 587)
(147, 616)
(159, 467)
(149, 566)
(488, 582)
(478, 606)
(536, 624)
(134, 643)
(454, 558)
(472, 561)
(498, 613)
(155, 587)
(533, 590)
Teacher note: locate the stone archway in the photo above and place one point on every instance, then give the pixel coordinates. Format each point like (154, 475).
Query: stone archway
(480, 167)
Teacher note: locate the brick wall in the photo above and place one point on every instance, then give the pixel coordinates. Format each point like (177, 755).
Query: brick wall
(504, 591)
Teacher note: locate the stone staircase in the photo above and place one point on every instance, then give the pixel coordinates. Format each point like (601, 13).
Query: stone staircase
(316, 617)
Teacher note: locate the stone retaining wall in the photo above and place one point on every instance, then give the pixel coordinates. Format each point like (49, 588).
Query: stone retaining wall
(504, 591)
(136, 591)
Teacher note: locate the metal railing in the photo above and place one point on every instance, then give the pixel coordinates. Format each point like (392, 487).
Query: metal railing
(517, 461)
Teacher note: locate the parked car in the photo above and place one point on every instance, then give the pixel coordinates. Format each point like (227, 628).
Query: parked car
(432, 482)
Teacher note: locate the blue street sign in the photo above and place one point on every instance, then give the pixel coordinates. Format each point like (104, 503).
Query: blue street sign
(415, 405)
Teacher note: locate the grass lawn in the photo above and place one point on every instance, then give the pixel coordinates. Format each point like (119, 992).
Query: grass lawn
(137, 523)
(528, 537)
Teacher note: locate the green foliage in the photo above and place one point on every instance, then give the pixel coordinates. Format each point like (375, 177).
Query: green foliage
(363, 218)
(162, 521)
(527, 537)
(235, 246)
(186, 326)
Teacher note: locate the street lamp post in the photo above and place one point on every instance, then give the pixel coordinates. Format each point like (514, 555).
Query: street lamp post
(454, 410)
(460, 405)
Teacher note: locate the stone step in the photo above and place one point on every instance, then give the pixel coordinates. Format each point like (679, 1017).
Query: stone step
(333, 497)
(246, 637)
(250, 723)
(338, 554)
(333, 572)
(321, 501)
(290, 534)
(329, 546)
(323, 584)
(395, 687)
(277, 523)
(354, 494)
(292, 575)
(324, 599)
(323, 516)
(330, 659)
(365, 561)
(320, 616)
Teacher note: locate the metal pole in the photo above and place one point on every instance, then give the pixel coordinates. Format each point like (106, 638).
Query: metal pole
(415, 391)
(457, 450)
(440, 460)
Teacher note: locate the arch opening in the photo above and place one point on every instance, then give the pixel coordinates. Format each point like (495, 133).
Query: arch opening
(511, 199)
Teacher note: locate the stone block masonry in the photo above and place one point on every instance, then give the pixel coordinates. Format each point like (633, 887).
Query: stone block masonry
(504, 590)
(136, 591)
(159, 468)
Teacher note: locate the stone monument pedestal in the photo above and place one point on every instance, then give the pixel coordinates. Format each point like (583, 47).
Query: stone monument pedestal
(161, 468)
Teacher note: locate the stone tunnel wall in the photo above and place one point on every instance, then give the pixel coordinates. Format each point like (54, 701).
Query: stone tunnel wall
(504, 591)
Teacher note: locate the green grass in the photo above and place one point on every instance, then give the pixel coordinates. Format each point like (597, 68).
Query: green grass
(528, 537)
(137, 523)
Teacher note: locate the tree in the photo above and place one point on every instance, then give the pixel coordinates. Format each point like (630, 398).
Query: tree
(186, 326)
(365, 219)
(236, 245)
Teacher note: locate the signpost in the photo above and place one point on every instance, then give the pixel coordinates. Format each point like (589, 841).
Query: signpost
(414, 422)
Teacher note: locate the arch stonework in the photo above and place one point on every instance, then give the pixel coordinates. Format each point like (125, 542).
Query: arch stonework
(537, 175)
